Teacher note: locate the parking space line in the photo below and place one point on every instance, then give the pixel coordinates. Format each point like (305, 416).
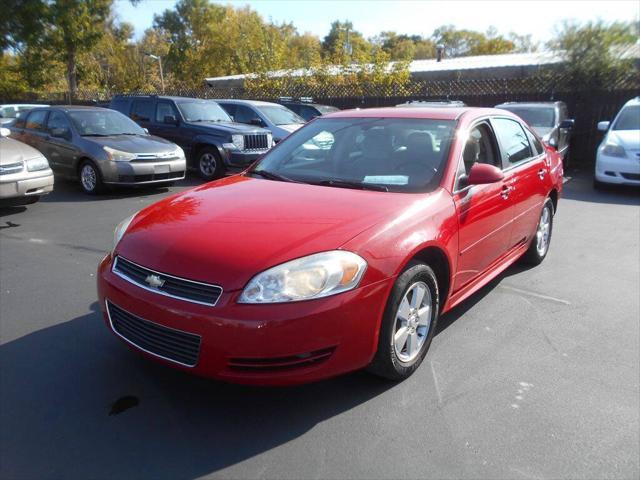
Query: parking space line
(535, 294)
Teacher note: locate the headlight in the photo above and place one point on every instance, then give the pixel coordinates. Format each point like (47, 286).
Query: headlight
(121, 228)
(306, 278)
(270, 140)
(118, 155)
(38, 163)
(179, 152)
(613, 150)
(238, 141)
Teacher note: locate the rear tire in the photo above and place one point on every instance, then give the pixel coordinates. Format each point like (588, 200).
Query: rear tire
(209, 164)
(411, 315)
(90, 178)
(541, 240)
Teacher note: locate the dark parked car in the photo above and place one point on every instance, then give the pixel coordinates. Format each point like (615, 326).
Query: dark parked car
(307, 109)
(550, 120)
(99, 147)
(213, 143)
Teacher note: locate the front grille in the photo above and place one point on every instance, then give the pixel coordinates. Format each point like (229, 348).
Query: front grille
(631, 176)
(275, 364)
(11, 168)
(149, 177)
(257, 141)
(165, 284)
(153, 157)
(164, 342)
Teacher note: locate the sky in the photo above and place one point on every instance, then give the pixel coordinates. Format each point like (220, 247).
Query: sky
(539, 18)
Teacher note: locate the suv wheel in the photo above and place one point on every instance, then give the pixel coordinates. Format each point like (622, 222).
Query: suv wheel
(209, 163)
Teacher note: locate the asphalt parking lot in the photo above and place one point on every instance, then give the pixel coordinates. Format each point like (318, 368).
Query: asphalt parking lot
(537, 376)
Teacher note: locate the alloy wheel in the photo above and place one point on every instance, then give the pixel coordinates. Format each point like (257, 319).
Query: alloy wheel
(208, 164)
(543, 231)
(88, 178)
(412, 322)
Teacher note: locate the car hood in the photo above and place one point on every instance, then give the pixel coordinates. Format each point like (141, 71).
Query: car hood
(226, 127)
(13, 151)
(135, 143)
(226, 232)
(628, 139)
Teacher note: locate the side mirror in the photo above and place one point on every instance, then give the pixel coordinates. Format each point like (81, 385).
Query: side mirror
(603, 126)
(61, 133)
(567, 123)
(483, 173)
(5, 132)
(170, 120)
(255, 121)
(146, 130)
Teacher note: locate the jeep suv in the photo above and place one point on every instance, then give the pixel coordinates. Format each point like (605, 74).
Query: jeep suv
(214, 145)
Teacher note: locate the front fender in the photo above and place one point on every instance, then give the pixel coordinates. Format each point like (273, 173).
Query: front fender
(211, 140)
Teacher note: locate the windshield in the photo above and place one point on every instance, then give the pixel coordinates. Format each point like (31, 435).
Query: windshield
(103, 122)
(324, 109)
(628, 119)
(535, 116)
(401, 155)
(203, 111)
(280, 115)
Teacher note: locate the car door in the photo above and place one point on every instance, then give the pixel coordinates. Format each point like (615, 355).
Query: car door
(526, 171)
(484, 211)
(58, 147)
(35, 132)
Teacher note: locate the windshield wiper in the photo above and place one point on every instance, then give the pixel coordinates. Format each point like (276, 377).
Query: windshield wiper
(354, 185)
(95, 135)
(273, 176)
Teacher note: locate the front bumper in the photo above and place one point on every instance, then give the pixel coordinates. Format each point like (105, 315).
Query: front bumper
(260, 344)
(239, 160)
(617, 170)
(142, 173)
(26, 184)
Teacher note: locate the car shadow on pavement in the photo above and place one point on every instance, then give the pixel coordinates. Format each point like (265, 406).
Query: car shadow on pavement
(76, 403)
(69, 191)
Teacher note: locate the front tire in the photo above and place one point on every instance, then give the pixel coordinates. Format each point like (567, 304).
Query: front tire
(90, 178)
(541, 240)
(408, 324)
(209, 163)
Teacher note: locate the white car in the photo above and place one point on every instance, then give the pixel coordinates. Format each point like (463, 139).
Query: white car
(618, 157)
(9, 112)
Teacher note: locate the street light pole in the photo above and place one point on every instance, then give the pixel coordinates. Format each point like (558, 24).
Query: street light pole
(157, 57)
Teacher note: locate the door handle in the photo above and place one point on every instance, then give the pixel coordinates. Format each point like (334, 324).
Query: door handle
(506, 190)
(541, 173)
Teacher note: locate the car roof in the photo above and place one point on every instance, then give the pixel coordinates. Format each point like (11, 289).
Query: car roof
(75, 108)
(435, 113)
(165, 97)
(529, 104)
(255, 103)
(633, 101)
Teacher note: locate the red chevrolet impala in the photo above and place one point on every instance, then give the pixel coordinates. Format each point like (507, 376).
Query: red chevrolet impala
(338, 250)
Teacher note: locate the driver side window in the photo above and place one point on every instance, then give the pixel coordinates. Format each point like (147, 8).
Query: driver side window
(479, 148)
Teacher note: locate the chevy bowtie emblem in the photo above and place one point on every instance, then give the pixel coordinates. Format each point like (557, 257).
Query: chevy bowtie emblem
(154, 281)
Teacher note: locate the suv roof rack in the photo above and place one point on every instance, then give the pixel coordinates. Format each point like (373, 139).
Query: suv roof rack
(293, 99)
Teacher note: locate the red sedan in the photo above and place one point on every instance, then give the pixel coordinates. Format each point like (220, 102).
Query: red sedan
(338, 250)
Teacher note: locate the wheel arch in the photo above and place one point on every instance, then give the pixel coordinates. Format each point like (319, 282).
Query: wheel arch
(82, 159)
(436, 258)
(553, 195)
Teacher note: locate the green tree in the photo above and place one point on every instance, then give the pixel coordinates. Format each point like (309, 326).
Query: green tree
(593, 52)
(344, 45)
(461, 43)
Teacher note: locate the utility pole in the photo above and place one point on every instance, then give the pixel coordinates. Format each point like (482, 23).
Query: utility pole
(157, 57)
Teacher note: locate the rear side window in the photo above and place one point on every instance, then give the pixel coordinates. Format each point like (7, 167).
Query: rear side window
(307, 112)
(35, 120)
(513, 140)
(142, 110)
(57, 120)
(536, 146)
(20, 122)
